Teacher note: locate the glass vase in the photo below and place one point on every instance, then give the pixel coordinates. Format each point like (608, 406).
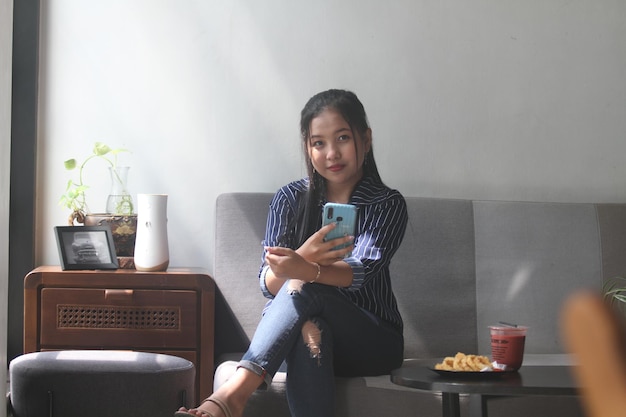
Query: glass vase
(119, 200)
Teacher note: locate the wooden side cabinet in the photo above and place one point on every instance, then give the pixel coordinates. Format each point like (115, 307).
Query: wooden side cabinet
(168, 312)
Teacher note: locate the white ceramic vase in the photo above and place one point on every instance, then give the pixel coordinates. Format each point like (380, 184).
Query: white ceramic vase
(151, 245)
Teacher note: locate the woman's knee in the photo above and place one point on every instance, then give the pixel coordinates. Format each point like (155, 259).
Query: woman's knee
(316, 340)
(312, 337)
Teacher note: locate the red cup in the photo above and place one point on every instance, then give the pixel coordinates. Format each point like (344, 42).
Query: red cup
(507, 346)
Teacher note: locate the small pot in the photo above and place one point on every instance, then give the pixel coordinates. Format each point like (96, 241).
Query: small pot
(123, 228)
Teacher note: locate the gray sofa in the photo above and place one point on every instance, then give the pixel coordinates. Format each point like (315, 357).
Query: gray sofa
(463, 265)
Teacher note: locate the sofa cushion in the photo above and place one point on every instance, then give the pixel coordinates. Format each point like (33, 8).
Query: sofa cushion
(529, 257)
(358, 396)
(612, 224)
(433, 278)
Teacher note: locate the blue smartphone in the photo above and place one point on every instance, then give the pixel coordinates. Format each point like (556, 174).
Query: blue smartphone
(345, 217)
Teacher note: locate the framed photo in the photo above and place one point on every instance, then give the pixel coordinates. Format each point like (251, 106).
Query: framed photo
(86, 247)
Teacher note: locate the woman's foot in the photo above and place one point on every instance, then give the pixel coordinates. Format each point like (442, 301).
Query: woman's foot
(229, 400)
(210, 407)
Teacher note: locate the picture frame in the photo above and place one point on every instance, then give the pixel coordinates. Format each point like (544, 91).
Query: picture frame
(86, 247)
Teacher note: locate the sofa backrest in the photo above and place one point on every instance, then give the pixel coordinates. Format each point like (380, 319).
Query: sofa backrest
(462, 266)
(239, 231)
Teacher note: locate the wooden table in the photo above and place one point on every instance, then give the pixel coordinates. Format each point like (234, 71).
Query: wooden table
(168, 312)
(529, 380)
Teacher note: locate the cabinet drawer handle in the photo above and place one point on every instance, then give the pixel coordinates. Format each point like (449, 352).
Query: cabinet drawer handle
(118, 294)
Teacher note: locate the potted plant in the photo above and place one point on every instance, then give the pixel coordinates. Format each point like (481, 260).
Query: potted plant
(614, 291)
(120, 214)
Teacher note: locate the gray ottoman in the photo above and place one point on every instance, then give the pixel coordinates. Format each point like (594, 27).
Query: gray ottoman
(99, 383)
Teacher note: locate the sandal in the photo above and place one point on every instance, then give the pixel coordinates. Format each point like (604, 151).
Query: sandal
(221, 404)
(186, 414)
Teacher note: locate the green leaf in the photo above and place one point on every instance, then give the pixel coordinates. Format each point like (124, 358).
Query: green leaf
(101, 149)
(70, 164)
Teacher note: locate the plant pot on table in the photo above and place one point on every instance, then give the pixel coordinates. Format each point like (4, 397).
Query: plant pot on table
(124, 231)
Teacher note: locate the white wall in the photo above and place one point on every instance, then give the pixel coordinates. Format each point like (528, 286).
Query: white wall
(485, 99)
(6, 41)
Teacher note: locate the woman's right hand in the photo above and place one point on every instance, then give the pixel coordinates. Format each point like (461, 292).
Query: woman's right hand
(285, 263)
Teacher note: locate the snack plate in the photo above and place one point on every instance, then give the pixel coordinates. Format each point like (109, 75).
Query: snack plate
(472, 374)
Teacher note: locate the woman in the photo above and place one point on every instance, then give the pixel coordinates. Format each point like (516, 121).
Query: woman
(328, 315)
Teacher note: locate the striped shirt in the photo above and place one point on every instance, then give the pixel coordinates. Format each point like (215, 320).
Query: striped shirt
(381, 223)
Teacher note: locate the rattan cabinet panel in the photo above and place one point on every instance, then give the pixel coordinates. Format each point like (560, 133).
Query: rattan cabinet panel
(94, 318)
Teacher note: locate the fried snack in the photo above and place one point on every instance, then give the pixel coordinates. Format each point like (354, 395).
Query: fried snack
(464, 363)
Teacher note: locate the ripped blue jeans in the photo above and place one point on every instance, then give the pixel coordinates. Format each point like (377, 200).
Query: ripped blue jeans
(338, 339)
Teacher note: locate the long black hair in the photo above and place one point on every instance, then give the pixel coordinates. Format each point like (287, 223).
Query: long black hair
(346, 103)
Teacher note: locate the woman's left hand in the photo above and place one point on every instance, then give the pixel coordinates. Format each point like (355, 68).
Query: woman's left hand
(284, 262)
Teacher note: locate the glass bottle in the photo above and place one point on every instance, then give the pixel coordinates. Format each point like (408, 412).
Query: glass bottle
(119, 200)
